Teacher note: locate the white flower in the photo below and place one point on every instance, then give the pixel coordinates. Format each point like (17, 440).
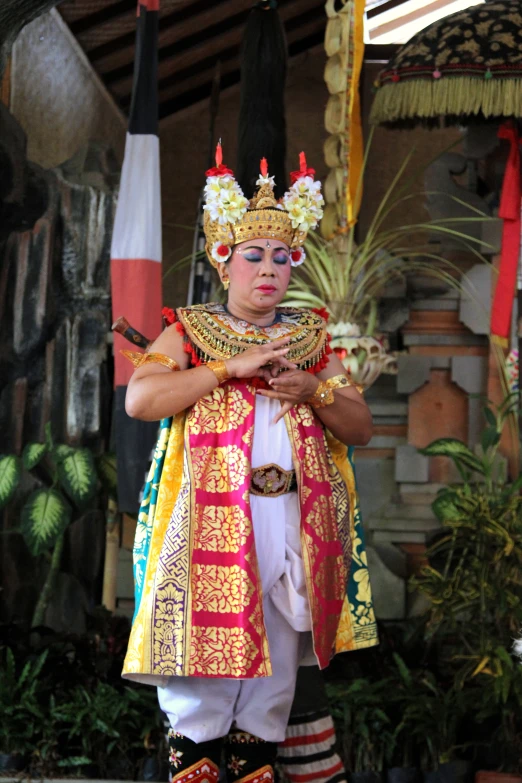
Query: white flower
(304, 202)
(217, 212)
(220, 258)
(216, 184)
(306, 185)
(265, 181)
(297, 215)
(225, 201)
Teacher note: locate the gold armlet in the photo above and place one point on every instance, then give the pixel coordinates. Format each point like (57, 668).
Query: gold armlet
(325, 391)
(138, 359)
(343, 381)
(322, 397)
(219, 369)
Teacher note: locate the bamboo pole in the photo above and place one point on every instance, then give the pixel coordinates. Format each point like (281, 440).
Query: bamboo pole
(112, 552)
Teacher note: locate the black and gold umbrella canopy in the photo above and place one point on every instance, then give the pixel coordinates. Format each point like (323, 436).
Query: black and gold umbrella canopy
(464, 67)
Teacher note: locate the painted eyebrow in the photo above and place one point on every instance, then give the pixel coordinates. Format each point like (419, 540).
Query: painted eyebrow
(256, 247)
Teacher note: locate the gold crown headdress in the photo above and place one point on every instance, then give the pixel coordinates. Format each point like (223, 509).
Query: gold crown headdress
(230, 218)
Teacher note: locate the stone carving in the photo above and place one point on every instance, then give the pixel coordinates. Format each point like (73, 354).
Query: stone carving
(55, 230)
(446, 198)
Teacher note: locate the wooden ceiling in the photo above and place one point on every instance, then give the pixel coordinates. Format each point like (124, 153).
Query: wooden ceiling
(193, 36)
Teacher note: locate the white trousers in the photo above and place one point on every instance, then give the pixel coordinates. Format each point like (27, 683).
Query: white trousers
(205, 708)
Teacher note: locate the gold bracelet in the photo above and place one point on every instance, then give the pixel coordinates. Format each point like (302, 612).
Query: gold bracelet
(219, 369)
(340, 381)
(323, 396)
(139, 359)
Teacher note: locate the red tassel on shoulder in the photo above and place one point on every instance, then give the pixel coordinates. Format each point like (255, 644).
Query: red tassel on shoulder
(322, 311)
(169, 315)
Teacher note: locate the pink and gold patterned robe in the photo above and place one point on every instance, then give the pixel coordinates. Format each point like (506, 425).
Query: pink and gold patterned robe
(199, 609)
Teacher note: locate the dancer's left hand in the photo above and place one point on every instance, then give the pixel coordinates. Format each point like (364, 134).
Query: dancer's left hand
(290, 388)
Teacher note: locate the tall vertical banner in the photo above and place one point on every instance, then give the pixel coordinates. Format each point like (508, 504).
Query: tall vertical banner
(136, 252)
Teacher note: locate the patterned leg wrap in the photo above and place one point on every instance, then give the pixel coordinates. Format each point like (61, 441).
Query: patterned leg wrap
(197, 762)
(248, 758)
(308, 753)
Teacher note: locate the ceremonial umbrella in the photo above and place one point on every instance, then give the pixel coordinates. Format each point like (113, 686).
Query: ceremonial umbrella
(466, 68)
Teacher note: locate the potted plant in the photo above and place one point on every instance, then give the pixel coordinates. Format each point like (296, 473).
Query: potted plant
(364, 729)
(348, 277)
(432, 713)
(473, 586)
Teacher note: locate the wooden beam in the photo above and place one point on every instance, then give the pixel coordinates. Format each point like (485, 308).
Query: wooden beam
(82, 14)
(200, 94)
(189, 52)
(179, 84)
(193, 108)
(77, 12)
(194, 20)
(105, 38)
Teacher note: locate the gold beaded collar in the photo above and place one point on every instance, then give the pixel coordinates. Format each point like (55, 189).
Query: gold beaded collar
(215, 334)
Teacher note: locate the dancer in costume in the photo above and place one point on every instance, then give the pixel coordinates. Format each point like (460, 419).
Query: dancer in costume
(247, 555)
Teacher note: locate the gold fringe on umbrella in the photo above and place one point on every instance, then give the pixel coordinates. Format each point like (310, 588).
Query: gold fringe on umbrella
(422, 98)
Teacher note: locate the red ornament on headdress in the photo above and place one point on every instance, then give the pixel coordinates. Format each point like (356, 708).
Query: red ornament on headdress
(263, 167)
(304, 171)
(219, 170)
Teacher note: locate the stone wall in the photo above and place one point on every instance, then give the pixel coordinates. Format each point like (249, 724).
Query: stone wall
(56, 96)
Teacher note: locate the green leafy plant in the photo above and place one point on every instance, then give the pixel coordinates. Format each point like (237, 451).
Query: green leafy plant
(431, 717)
(473, 580)
(348, 277)
(364, 729)
(67, 480)
(20, 711)
(102, 727)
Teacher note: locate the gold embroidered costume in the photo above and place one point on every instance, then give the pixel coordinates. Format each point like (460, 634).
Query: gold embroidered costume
(198, 599)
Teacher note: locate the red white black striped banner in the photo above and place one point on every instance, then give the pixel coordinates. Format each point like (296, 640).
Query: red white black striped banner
(136, 250)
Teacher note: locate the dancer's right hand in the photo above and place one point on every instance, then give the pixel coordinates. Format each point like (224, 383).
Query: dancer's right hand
(261, 360)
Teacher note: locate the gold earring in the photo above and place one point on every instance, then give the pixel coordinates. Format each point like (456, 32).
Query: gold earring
(226, 283)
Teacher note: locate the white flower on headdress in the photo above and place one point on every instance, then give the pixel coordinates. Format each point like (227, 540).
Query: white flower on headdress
(225, 201)
(304, 203)
(302, 217)
(306, 186)
(265, 181)
(297, 256)
(215, 184)
(220, 252)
